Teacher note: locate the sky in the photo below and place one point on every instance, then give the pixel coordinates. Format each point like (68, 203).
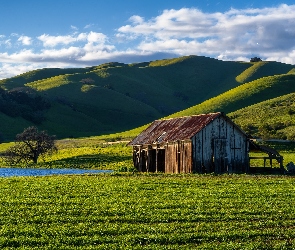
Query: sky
(80, 33)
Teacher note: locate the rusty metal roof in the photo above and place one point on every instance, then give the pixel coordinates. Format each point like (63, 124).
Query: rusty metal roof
(168, 130)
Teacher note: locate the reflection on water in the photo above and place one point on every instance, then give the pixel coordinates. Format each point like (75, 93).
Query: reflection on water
(8, 172)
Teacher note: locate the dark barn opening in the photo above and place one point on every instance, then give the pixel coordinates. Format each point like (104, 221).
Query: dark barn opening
(161, 160)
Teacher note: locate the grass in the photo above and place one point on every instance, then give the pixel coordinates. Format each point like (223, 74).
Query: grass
(84, 154)
(292, 71)
(98, 152)
(273, 118)
(143, 211)
(245, 95)
(147, 211)
(101, 156)
(140, 211)
(111, 152)
(46, 84)
(39, 74)
(121, 96)
(166, 62)
(249, 72)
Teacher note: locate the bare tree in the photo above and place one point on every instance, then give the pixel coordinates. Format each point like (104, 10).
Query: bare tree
(29, 145)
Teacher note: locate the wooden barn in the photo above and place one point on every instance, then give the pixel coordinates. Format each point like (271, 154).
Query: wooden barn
(201, 143)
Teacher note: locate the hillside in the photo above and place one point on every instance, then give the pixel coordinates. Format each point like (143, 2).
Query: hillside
(245, 95)
(271, 119)
(115, 97)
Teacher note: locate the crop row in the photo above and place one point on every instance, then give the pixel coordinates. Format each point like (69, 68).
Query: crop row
(147, 211)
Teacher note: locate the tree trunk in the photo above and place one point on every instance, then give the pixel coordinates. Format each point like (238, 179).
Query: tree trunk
(35, 158)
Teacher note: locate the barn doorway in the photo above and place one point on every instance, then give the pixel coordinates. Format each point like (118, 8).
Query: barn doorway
(161, 160)
(157, 160)
(220, 155)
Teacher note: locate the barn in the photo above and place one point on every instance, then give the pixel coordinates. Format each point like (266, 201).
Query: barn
(200, 143)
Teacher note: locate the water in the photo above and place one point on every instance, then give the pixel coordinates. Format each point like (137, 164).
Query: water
(8, 172)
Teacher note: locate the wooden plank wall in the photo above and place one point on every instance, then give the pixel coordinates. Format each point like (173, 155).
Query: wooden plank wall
(198, 155)
(178, 157)
(235, 154)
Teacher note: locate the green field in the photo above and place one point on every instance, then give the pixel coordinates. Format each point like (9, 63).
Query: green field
(147, 211)
(84, 154)
(130, 210)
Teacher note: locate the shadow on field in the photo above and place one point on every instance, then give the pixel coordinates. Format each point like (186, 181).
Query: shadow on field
(267, 170)
(92, 161)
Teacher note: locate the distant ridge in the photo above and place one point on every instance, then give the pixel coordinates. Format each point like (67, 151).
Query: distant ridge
(114, 97)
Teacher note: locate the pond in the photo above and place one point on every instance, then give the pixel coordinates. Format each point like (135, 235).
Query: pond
(9, 172)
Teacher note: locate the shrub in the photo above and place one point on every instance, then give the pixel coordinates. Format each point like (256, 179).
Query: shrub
(255, 59)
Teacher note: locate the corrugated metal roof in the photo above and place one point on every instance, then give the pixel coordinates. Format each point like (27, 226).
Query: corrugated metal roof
(168, 130)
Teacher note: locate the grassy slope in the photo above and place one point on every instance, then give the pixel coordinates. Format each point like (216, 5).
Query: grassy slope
(270, 69)
(264, 107)
(247, 94)
(35, 75)
(274, 118)
(250, 72)
(253, 115)
(90, 115)
(123, 96)
(11, 126)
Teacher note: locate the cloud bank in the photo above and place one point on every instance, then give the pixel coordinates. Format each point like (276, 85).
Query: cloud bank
(268, 33)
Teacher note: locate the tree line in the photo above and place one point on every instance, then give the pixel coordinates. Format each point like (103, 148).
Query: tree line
(21, 102)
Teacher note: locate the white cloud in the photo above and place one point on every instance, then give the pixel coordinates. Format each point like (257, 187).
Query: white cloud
(52, 41)
(94, 37)
(239, 32)
(74, 27)
(8, 69)
(5, 41)
(88, 26)
(25, 40)
(233, 35)
(173, 23)
(136, 19)
(8, 42)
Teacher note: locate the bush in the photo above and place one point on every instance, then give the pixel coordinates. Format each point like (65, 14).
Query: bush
(255, 59)
(126, 169)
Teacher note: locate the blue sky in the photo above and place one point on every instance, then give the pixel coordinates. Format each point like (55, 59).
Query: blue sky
(79, 33)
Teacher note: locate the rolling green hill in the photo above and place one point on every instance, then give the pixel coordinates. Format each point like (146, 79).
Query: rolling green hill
(270, 119)
(116, 97)
(245, 95)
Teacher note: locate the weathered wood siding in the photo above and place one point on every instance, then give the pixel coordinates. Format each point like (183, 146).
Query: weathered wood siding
(220, 147)
(178, 157)
(149, 158)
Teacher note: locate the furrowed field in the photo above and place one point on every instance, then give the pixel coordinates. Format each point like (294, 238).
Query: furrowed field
(143, 211)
